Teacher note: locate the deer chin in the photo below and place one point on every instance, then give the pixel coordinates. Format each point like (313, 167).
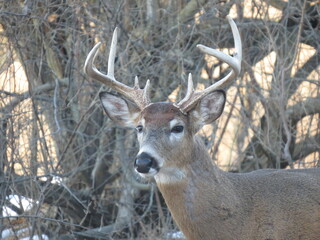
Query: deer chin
(151, 174)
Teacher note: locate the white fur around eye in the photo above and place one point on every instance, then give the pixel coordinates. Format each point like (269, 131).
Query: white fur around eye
(174, 122)
(174, 136)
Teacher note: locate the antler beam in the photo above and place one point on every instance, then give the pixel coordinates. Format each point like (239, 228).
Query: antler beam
(192, 96)
(139, 96)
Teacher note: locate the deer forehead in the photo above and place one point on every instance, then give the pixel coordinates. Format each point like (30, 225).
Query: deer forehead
(162, 114)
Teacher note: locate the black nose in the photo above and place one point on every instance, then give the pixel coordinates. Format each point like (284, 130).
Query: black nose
(144, 162)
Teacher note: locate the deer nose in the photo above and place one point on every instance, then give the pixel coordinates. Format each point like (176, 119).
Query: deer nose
(144, 162)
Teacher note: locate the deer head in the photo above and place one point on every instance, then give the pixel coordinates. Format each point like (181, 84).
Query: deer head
(165, 130)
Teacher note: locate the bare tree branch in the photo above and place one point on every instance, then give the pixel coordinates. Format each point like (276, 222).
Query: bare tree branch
(18, 98)
(298, 111)
(306, 147)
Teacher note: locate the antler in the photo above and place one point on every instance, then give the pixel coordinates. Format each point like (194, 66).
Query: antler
(139, 96)
(192, 96)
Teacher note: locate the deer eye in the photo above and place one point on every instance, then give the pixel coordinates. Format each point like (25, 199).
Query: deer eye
(177, 129)
(139, 128)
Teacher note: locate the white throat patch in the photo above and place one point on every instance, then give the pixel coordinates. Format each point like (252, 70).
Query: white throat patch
(170, 175)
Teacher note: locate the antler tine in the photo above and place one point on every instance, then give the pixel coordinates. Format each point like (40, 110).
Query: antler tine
(192, 97)
(139, 96)
(190, 90)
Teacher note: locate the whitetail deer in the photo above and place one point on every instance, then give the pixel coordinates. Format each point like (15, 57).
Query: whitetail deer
(206, 202)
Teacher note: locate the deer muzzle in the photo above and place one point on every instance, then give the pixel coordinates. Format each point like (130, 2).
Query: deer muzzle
(145, 164)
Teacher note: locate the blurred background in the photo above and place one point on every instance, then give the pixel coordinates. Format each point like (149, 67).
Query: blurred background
(66, 170)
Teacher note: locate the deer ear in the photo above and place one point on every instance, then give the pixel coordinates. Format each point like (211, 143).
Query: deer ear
(209, 108)
(121, 111)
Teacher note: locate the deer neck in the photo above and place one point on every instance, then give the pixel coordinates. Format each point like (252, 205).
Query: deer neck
(200, 186)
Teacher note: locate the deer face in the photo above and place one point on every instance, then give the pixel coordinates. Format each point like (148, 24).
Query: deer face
(162, 132)
(165, 134)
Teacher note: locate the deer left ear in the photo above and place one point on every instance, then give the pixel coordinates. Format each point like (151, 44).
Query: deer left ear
(209, 108)
(120, 110)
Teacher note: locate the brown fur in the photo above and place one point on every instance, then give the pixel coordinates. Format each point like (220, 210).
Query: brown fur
(212, 204)
(265, 204)
(208, 203)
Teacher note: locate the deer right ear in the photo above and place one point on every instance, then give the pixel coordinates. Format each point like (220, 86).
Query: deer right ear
(121, 111)
(209, 109)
